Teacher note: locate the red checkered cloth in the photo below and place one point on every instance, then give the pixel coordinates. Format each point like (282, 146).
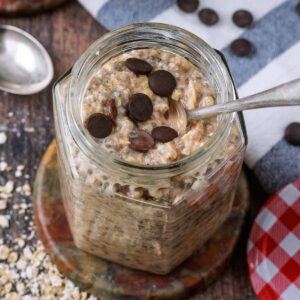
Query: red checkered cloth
(274, 247)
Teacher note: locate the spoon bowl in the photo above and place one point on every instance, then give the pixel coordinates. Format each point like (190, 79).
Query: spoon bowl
(26, 67)
(177, 116)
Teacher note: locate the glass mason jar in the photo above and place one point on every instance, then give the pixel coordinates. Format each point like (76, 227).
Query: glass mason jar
(146, 217)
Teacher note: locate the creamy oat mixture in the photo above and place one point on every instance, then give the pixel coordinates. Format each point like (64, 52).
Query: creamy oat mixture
(116, 82)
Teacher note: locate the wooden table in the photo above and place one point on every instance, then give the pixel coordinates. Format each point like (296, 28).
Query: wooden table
(66, 33)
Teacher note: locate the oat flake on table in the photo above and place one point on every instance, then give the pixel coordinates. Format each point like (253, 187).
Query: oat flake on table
(26, 272)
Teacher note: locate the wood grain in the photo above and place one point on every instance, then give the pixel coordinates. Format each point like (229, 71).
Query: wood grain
(18, 7)
(66, 33)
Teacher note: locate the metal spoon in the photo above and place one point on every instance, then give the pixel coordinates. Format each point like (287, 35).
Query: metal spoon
(26, 67)
(286, 94)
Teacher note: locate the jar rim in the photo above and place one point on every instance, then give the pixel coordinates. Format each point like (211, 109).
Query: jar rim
(101, 156)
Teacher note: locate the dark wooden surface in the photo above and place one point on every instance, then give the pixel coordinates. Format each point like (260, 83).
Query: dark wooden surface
(66, 33)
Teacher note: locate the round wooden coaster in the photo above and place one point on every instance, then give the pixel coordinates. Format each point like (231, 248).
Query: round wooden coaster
(17, 7)
(112, 281)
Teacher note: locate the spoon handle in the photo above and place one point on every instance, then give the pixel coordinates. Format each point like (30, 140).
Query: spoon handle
(286, 94)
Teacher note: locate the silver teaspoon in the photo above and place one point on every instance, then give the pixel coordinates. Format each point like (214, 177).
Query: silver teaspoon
(287, 94)
(26, 67)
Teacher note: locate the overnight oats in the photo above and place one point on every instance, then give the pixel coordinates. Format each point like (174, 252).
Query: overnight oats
(138, 190)
(126, 107)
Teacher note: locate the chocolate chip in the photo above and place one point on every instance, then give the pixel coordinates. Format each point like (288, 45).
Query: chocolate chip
(241, 47)
(162, 83)
(208, 16)
(297, 8)
(141, 141)
(164, 134)
(99, 125)
(111, 109)
(140, 107)
(242, 18)
(138, 66)
(188, 6)
(292, 134)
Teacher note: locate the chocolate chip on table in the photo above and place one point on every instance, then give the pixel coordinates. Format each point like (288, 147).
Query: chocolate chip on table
(162, 83)
(242, 18)
(140, 107)
(138, 66)
(241, 47)
(99, 125)
(208, 16)
(292, 134)
(188, 6)
(111, 109)
(141, 141)
(298, 8)
(164, 134)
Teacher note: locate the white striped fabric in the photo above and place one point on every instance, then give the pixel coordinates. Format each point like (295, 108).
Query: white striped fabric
(276, 35)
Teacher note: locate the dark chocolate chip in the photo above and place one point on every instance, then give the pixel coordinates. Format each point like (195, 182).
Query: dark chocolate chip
(292, 134)
(138, 66)
(99, 125)
(188, 6)
(141, 141)
(208, 16)
(140, 107)
(241, 47)
(111, 109)
(164, 134)
(242, 18)
(162, 83)
(297, 8)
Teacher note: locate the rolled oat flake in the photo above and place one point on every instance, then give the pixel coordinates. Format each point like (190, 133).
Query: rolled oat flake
(208, 16)
(99, 125)
(162, 83)
(111, 109)
(140, 107)
(292, 134)
(241, 47)
(141, 141)
(138, 66)
(188, 6)
(242, 18)
(164, 134)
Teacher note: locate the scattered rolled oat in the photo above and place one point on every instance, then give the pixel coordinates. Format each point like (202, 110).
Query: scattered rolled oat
(56, 281)
(19, 189)
(26, 272)
(18, 174)
(13, 257)
(4, 223)
(29, 129)
(3, 204)
(20, 288)
(20, 167)
(38, 279)
(3, 166)
(4, 252)
(20, 242)
(3, 138)
(26, 189)
(7, 188)
(21, 264)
